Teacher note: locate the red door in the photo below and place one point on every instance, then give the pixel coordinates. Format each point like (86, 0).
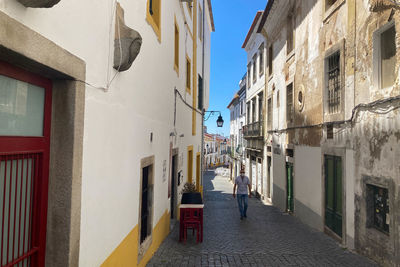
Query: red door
(25, 114)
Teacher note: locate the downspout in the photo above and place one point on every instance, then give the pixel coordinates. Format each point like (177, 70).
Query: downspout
(355, 53)
(202, 108)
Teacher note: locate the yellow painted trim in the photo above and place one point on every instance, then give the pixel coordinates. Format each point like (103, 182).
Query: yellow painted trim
(198, 171)
(126, 254)
(190, 9)
(176, 66)
(194, 95)
(190, 164)
(201, 10)
(153, 24)
(189, 30)
(188, 89)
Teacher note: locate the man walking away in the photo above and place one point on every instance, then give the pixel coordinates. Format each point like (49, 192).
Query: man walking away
(242, 182)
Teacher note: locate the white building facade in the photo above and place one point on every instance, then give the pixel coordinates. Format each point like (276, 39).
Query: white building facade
(112, 148)
(254, 46)
(237, 108)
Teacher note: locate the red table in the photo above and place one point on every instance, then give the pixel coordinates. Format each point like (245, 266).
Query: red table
(196, 207)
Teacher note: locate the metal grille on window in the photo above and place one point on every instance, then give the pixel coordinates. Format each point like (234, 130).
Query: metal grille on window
(18, 177)
(334, 87)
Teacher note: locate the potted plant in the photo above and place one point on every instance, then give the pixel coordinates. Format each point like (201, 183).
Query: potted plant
(190, 195)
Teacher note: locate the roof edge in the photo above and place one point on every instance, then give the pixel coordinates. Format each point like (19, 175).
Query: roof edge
(265, 15)
(253, 25)
(211, 15)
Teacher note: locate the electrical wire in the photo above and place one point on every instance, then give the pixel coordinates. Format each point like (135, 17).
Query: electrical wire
(187, 104)
(360, 107)
(108, 84)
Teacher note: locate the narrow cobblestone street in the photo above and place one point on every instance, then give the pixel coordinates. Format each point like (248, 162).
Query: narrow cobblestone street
(267, 237)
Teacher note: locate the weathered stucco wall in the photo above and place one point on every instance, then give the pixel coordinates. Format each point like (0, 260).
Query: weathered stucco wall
(365, 134)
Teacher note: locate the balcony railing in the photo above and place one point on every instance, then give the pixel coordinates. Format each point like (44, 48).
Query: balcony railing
(254, 129)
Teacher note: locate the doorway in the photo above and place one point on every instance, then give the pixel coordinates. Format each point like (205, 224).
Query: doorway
(198, 172)
(173, 186)
(25, 116)
(269, 177)
(289, 187)
(333, 194)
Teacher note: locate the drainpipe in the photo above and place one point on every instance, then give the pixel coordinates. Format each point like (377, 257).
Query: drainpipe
(202, 111)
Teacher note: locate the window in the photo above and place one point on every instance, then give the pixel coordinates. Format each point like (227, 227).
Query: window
(270, 60)
(241, 107)
(329, 3)
(333, 83)
(253, 106)
(248, 112)
(188, 75)
(289, 103)
(254, 68)
(190, 164)
(153, 16)
(201, 93)
(146, 204)
(289, 35)
(278, 101)
(260, 107)
(261, 55)
(200, 23)
(269, 117)
(176, 51)
(248, 75)
(387, 60)
(378, 208)
(329, 131)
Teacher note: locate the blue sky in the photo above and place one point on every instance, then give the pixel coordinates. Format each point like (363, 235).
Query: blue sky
(228, 59)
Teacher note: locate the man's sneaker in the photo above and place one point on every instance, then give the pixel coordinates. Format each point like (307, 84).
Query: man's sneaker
(245, 216)
(241, 217)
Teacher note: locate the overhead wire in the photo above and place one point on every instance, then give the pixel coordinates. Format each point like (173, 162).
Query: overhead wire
(369, 107)
(108, 83)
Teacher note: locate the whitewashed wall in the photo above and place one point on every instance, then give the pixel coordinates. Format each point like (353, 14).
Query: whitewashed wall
(119, 121)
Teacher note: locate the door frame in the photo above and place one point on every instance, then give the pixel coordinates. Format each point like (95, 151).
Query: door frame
(289, 163)
(337, 152)
(65, 167)
(174, 182)
(17, 145)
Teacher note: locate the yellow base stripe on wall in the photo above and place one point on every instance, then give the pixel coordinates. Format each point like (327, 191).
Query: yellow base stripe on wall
(126, 254)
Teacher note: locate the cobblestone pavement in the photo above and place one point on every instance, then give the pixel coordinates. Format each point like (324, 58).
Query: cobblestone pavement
(267, 237)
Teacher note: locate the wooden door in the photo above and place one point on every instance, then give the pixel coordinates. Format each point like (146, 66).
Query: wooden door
(333, 194)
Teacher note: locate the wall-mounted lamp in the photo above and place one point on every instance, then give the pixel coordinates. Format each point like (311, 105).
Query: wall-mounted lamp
(220, 121)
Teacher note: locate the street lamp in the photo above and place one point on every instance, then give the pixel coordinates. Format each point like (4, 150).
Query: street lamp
(220, 121)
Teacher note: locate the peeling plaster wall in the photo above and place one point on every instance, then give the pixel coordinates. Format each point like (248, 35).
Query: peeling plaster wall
(376, 137)
(370, 145)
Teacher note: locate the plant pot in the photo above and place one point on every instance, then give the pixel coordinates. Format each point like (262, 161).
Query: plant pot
(191, 198)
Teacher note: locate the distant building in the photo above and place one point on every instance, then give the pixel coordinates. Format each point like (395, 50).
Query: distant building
(237, 108)
(216, 150)
(255, 46)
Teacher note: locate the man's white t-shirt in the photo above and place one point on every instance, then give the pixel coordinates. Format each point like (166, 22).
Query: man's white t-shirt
(242, 183)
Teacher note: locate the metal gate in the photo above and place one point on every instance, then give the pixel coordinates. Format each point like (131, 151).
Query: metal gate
(25, 112)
